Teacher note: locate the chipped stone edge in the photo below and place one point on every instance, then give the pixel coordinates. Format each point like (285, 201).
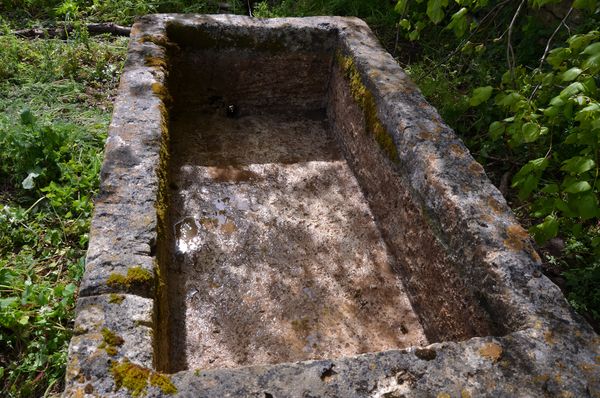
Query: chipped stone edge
(554, 351)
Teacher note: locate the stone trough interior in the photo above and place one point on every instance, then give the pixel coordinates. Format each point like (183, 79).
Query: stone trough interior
(290, 233)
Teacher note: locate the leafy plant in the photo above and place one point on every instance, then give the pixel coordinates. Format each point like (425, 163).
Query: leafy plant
(52, 127)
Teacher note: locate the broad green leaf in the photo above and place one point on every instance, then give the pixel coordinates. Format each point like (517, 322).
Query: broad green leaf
(404, 24)
(458, 23)
(557, 56)
(496, 130)
(531, 131)
(509, 99)
(557, 101)
(581, 4)
(592, 49)
(587, 206)
(539, 164)
(528, 186)
(69, 290)
(592, 111)
(551, 111)
(27, 117)
(400, 7)
(571, 74)
(545, 230)
(414, 35)
(550, 188)
(592, 62)
(435, 10)
(24, 320)
(572, 89)
(578, 41)
(578, 165)
(480, 94)
(589, 85)
(578, 187)
(7, 302)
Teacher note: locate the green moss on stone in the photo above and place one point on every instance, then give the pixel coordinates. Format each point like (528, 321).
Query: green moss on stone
(131, 376)
(156, 39)
(163, 382)
(367, 103)
(135, 276)
(116, 298)
(110, 342)
(135, 378)
(155, 62)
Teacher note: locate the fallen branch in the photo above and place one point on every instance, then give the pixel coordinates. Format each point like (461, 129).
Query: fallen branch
(63, 32)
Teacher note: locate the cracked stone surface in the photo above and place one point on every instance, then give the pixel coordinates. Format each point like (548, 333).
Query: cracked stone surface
(460, 259)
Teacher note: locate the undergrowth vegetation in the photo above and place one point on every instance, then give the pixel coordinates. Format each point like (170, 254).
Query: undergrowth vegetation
(517, 80)
(54, 103)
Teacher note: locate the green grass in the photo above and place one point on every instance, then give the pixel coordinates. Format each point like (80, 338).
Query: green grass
(55, 105)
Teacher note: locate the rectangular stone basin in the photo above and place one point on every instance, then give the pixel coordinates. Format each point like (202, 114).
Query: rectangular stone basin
(282, 214)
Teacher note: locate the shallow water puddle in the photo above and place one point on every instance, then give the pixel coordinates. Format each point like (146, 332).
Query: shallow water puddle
(276, 256)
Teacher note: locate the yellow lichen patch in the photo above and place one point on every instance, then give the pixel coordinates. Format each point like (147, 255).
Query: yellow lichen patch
(549, 337)
(443, 395)
(110, 342)
(465, 394)
(116, 298)
(229, 227)
(135, 378)
(517, 237)
(159, 40)
(135, 276)
(457, 150)
(476, 168)
(163, 382)
(588, 367)
(366, 101)
(79, 393)
(541, 378)
(495, 205)
(491, 351)
(426, 136)
(162, 92)
(155, 62)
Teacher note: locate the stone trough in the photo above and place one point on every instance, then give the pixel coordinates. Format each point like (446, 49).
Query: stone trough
(282, 214)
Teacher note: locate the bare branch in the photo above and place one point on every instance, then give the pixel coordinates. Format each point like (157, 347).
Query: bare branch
(547, 49)
(464, 41)
(63, 31)
(510, 53)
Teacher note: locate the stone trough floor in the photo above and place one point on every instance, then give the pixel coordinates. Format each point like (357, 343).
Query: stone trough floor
(276, 255)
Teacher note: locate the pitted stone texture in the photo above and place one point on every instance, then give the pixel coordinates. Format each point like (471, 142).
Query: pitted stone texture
(126, 318)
